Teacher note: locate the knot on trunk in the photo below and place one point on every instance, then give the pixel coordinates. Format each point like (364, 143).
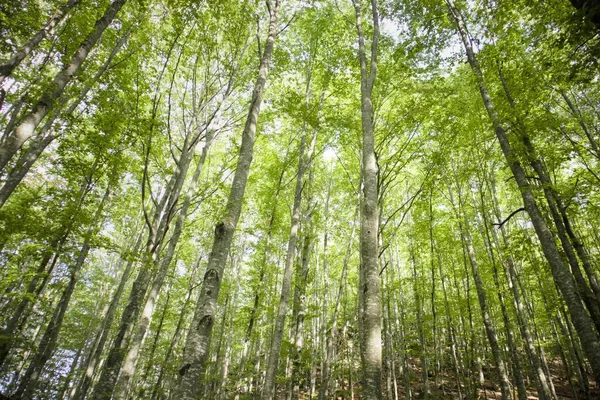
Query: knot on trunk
(220, 230)
(206, 322)
(211, 274)
(183, 370)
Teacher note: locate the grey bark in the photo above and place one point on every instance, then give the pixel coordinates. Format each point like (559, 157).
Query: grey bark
(333, 331)
(129, 366)
(42, 274)
(369, 286)
(157, 391)
(92, 360)
(29, 381)
(522, 319)
(259, 288)
(424, 354)
(57, 19)
(196, 347)
(46, 102)
(562, 277)
(490, 330)
(577, 114)
(157, 228)
(273, 360)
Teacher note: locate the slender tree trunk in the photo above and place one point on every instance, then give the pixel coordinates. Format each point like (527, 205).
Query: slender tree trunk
(156, 391)
(57, 19)
(510, 338)
(157, 229)
(150, 364)
(419, 303)
(490, 330)
(299, 314)
(46, 102)
(46, 135)
(452, 333)
(582, 375)
(259, 288)
(42, 275)
(436, 361)
(560, 273)
(522, 319)
(196, 347)
(577, 114)
(269, 387)
(129, 365)
(47, 345)
(369, 286)
(62, 394)
(93, 359)
(331, 337)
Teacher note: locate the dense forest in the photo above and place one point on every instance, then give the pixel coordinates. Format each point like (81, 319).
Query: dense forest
(299, 199)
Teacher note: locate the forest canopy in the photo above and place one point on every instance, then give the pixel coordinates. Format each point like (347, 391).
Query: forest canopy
(294, 199)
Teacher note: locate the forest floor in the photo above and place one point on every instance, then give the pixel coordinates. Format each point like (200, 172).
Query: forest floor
(447, 389)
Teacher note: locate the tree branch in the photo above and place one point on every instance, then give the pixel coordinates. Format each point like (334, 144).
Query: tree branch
(501, 224)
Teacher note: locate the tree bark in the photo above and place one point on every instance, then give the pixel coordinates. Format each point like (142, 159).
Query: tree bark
(273, 360)
(47, 345)
(369, 286)
(46, 102)
(196, 347)
(560, 273)
(490, 330)
(129, 366)
(332, 332)
(57, 19)
(42, 274)
(92, 360)
(157, 228)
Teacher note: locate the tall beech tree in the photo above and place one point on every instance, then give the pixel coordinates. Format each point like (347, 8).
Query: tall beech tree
(369, 286)
(196, 347)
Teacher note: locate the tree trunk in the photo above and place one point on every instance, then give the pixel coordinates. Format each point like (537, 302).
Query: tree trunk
(42, 274)
(259, 288)
(490, 330)
(577, 114)
(520, 309)
(510, 338)
(196, 347)
(47, 345)
(331, 337)
(157, 229)
(90, 364)
(129, 366)
(46, 102)
(57, 19)
(273, 360)
(369, 286)
(157, 390)
(560, 273)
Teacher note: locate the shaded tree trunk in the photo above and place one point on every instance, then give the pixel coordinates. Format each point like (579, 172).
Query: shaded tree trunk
(57, 19)
(130, 361)
(46, 102)
(47, 345)
(196, 347)
(273, 360)
(560, 273)
(92, 360)
(490, 330)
